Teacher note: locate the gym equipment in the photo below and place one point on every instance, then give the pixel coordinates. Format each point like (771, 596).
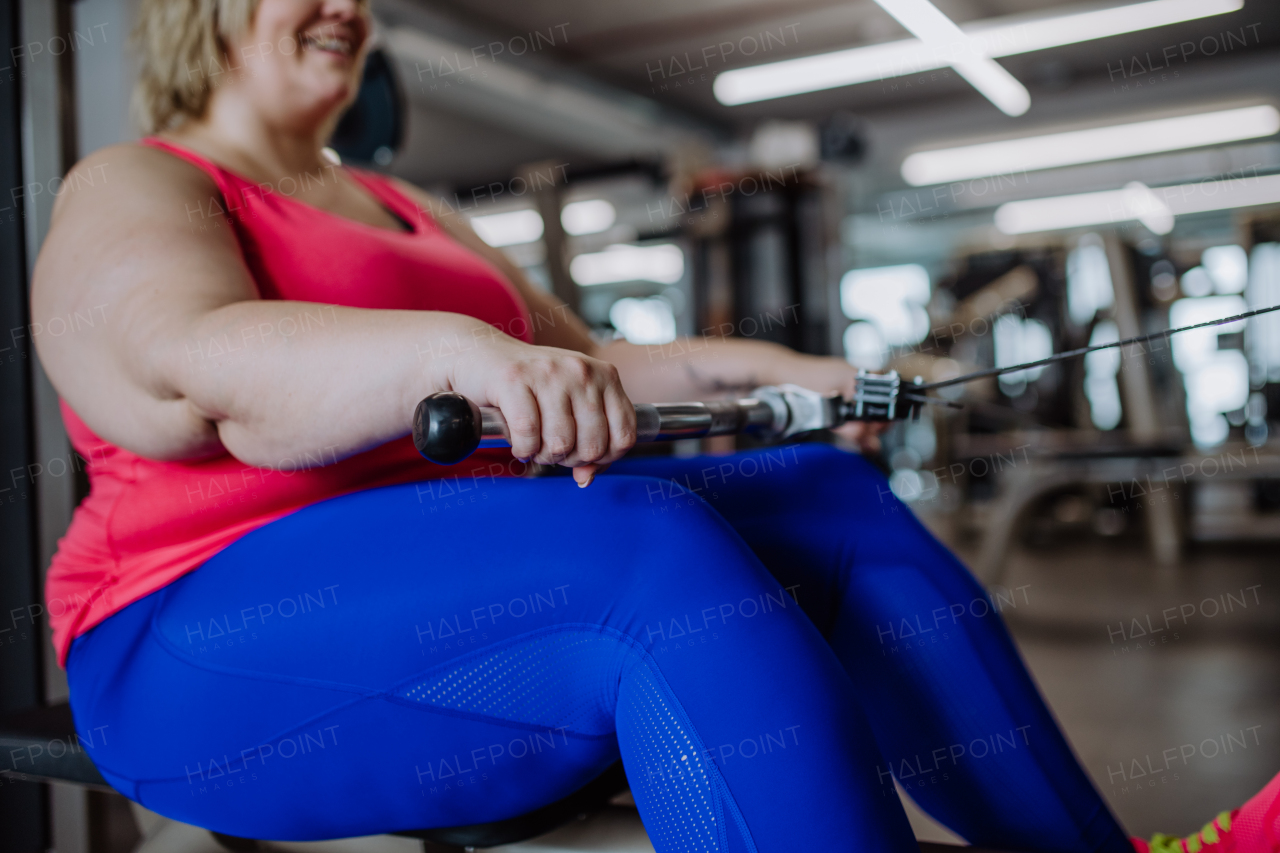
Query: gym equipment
(448, 427)
(373, 127)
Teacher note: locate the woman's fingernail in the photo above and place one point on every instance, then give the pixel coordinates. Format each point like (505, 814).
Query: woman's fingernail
(582, 484)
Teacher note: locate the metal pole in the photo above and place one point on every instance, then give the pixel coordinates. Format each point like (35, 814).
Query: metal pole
(546, 180)
(23, 805)
(48, 150)
(1139, 400)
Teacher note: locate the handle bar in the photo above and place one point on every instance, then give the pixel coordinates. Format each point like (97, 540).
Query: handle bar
(447, 427)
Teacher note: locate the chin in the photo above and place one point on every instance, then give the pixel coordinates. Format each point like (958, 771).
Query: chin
(332, 90)
(329, 104)
(331, 83)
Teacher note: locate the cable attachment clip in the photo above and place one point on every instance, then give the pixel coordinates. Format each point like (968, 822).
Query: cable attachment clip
(880, 397)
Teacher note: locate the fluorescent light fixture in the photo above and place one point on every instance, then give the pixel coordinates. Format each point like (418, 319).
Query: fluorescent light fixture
(587, 217)
(508, 229)
(1153, 207)
(996, 36)
(1074, 147)
(1135, 201)
(1151, 211)
(663, 263)
(941, 35)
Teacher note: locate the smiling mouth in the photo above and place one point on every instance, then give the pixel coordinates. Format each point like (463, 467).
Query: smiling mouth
(329, 44)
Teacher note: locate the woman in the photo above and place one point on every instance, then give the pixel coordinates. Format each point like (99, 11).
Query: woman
(279, 622)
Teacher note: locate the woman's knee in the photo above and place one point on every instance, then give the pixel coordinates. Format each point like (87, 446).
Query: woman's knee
(850, 477)
(653, 503)
(679, 540)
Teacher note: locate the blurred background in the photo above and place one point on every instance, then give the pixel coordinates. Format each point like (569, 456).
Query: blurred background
(810, 172)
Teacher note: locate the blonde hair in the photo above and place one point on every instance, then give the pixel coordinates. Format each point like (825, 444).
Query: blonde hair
(183, 48)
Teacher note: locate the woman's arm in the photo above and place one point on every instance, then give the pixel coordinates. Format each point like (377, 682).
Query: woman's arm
(699, 368)
(687, 369)
(182, 368)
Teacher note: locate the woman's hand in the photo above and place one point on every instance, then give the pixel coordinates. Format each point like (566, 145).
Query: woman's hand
(561, 407)
(865, 435)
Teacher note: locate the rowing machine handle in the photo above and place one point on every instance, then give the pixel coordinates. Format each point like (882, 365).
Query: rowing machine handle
(447, 427)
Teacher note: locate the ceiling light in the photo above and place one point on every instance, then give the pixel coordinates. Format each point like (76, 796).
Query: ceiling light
(1150, 206)
(508, 229)
(663, 263)
(998, 37)
(587, 217)
(965, 54)
(1150, 210)
(1068, 211)
(1073, 147)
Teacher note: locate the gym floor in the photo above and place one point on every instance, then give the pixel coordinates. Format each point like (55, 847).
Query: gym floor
(1157, 676)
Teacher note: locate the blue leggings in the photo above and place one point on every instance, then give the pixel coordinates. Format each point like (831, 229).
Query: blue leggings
(767, 640)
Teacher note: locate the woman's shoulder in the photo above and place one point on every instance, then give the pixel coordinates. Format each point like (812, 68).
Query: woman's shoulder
(136, 161)
(119, 176)
(124, 208)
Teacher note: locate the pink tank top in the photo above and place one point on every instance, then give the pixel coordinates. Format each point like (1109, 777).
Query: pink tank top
(146, 523)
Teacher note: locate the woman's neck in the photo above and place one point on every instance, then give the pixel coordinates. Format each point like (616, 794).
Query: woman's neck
(235, 135)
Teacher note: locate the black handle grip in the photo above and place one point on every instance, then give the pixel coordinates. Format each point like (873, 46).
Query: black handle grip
(446, 428)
